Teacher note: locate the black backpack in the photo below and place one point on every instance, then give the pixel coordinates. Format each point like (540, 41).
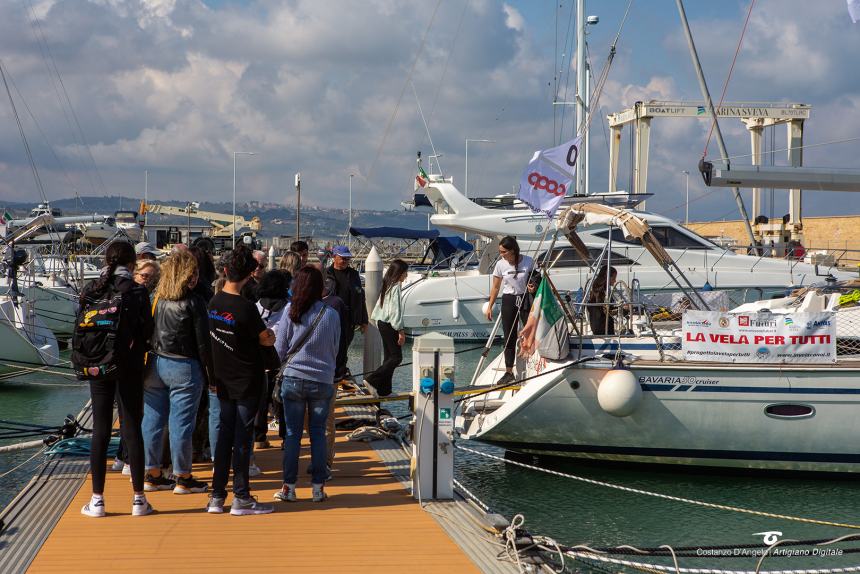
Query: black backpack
(98, 345)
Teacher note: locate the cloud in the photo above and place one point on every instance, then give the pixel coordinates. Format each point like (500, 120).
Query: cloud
(175, 87)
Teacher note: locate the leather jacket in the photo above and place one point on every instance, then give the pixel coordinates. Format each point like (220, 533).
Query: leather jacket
(182, 331)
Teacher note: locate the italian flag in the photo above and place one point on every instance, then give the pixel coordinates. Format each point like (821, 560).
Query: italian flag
(7, 217)
(421, 179)
(551, 332)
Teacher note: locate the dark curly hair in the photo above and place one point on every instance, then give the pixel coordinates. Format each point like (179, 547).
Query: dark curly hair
(275, 284)
(237, 264)
(307, 288)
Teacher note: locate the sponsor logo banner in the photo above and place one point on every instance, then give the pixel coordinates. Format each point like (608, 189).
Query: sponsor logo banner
(759, 337)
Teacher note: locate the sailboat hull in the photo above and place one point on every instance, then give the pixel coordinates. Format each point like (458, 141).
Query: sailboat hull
(794, 418)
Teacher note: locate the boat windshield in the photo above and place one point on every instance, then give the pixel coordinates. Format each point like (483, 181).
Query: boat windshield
(568, 257)
(668, 237)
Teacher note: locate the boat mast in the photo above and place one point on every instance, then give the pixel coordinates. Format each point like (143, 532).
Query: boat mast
(703, 85)
(581, 100)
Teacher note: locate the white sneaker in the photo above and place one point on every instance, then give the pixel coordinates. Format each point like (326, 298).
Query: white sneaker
(94, 508)
(117, 465)
(319, 494)
(126, 470)
(286, 494)
(140, 506)
(254, 470)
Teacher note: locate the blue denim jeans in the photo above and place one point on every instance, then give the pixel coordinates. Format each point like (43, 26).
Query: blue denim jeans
(171, 396)
(235, 441)
(214, 423)
(300, 395)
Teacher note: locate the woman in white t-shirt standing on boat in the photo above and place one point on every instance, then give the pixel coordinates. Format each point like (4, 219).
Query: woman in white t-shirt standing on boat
(511, 273)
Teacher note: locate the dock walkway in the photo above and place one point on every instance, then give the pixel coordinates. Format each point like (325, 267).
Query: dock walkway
(369, 523)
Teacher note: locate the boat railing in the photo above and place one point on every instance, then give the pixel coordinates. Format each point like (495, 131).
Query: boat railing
(837, 257)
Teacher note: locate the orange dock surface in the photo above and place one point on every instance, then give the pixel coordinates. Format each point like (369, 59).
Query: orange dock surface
(368, 524)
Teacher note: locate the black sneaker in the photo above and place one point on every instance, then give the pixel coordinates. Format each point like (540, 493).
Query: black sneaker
(189, 485)
(156, 483)
(506, 378)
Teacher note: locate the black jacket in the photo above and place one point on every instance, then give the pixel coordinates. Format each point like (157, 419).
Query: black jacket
(351, 292)
(136, 325)
(182, 330)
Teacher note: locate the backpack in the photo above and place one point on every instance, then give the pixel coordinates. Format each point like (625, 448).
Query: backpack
(98, 345)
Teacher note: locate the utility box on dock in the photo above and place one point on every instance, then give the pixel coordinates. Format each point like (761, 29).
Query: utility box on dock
(433, 379)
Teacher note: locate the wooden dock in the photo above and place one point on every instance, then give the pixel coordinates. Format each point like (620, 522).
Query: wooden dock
(369, 523)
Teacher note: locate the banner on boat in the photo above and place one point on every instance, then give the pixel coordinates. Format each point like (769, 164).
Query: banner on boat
(759, 337)
(548, 177)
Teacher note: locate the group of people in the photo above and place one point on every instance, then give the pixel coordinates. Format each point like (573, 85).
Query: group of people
(202, 352)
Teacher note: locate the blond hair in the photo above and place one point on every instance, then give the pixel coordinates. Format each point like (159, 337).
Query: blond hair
(156, 272)
(176, 274)
(291, 262)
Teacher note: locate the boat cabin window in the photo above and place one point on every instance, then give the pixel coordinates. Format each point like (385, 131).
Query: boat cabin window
(126, 216)
(667, 236)
(570, 258)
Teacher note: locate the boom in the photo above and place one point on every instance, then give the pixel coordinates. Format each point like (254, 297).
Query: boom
(222, 223)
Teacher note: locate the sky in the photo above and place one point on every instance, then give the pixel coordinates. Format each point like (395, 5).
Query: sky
(107, 90)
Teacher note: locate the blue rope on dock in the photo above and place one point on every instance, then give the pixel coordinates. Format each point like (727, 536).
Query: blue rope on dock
(80, 446)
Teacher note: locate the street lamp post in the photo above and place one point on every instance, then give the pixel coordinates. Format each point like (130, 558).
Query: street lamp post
(687, 202)
(467, 160)
(348, 233)
(298, 206)
(235, 153)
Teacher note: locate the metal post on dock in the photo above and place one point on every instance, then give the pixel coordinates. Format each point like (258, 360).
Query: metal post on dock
(372, 286)
(433, 377)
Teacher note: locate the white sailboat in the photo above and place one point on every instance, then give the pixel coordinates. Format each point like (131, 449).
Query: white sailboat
(24, 338)
(664, 409)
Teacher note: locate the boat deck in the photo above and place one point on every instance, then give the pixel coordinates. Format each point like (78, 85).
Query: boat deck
(369, 522)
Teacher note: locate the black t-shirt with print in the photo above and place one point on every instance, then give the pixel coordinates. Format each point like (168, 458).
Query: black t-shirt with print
(234, 328)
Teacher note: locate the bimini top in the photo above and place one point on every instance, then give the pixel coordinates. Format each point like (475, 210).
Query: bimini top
(442, 247)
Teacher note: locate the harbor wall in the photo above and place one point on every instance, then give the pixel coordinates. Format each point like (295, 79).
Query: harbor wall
(835, 234)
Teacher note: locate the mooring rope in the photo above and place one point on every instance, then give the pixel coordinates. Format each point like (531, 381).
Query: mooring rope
(660, 495)
(682, 570)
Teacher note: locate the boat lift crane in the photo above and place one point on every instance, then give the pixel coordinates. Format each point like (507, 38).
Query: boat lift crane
(223, 224)
(756, 116)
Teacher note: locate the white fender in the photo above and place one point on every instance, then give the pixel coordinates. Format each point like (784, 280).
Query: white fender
(455, 308)
(619, 392)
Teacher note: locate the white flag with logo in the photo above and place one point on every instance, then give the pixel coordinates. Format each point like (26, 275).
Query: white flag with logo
(549, 176)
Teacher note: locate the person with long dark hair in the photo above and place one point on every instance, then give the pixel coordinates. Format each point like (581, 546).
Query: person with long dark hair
(126, 382)
(237, 334)
(308, 337)
(511, 274)
(388, 314)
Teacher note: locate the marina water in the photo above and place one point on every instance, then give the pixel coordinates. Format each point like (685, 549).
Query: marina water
(570, 511)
